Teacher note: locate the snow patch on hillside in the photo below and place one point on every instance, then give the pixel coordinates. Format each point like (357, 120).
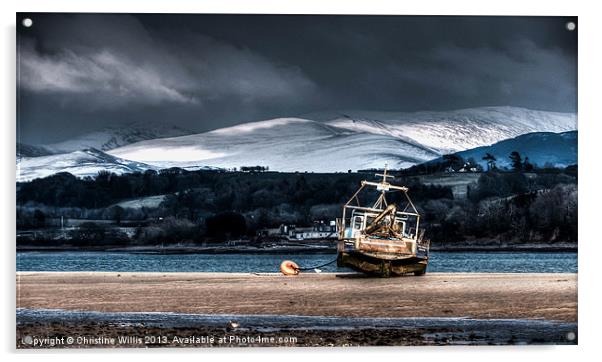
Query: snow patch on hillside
(88, 162)
(114, 137)
(346, 140)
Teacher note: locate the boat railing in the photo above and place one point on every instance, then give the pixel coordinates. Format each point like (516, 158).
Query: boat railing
(370, 209)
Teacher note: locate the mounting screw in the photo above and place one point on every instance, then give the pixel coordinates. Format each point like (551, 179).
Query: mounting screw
(570, 26)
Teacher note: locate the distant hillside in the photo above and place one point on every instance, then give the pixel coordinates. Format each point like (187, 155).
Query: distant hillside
(321, 142)
(25, 150)
(554, 149)
(87, 162)
(113, 137)
(350, 140)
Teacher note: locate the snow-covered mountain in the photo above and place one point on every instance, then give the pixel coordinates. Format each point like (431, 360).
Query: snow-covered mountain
(556, 149)
(82, 163)
(325, 142)
(452, 131)
(340, 141)
(116, 136)
(25, 150)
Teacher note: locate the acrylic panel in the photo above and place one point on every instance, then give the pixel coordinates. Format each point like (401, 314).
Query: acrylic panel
(221, 180)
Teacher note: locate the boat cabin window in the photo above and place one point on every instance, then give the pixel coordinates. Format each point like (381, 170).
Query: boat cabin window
(357, 222)
(401, 226)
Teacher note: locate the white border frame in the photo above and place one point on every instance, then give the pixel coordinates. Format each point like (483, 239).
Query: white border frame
(590, 121)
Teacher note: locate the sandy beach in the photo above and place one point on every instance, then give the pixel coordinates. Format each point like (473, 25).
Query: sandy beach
(104, 310)
(475, 295)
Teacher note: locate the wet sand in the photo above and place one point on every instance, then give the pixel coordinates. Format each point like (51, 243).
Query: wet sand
(474, 295)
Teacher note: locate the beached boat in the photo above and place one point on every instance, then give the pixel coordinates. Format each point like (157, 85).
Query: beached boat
(385, 237)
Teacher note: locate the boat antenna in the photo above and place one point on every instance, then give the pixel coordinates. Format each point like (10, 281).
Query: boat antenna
(384, 175)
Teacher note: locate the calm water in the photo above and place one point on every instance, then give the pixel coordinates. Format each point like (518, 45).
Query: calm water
(502, 262)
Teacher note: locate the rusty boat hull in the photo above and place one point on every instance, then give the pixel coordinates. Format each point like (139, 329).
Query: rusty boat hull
(383, 258)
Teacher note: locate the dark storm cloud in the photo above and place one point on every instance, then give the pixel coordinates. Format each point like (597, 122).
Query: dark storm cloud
(115, 59)
(81, 72)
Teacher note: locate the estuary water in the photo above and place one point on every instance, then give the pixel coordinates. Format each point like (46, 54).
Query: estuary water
(451, 262)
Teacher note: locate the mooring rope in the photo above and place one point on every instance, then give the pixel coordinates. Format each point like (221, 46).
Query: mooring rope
(318, 266)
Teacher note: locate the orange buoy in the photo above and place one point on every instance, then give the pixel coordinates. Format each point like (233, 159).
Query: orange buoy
(289, 268)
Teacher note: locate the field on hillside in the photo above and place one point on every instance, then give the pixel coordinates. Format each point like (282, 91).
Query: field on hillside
(458, 182)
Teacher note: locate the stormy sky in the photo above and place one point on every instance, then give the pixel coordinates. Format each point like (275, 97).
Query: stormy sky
(82, 72)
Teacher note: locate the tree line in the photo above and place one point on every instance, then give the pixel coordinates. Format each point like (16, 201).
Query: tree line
(197, 206)
(456, 163)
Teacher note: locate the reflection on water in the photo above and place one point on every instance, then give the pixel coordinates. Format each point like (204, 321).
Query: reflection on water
(501, 262)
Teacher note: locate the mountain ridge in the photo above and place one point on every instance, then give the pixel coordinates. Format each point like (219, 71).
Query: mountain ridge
(112, 137)
(353, 141)
(81, 163)
(328, 143)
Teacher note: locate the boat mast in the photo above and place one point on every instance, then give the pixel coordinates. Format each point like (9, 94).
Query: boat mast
(383, 187)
